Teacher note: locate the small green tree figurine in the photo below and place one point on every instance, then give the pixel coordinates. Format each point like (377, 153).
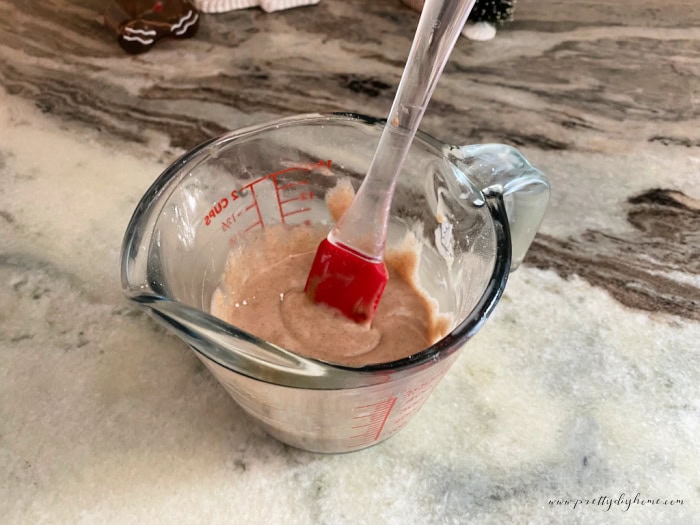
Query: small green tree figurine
(485, 17)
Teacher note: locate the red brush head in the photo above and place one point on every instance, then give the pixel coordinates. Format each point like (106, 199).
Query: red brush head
(345, 280)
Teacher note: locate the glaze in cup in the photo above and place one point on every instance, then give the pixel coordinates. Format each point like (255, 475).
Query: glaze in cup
(474, 210)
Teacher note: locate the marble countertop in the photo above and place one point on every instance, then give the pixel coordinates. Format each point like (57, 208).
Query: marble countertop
(584, 385)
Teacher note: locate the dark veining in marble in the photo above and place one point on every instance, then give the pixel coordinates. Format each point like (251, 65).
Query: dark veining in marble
(675, 141)
(666, 238)
(369, 86)
(601, 74)
(561, 15)
(7, 216)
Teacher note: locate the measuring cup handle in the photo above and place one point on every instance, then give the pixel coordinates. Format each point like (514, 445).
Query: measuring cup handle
(501, 169)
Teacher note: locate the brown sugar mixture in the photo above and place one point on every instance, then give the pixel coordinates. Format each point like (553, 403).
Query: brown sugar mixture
(262, 292)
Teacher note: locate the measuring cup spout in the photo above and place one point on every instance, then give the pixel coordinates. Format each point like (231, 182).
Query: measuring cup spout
(230, 347)
(497, 169)
(234, 349)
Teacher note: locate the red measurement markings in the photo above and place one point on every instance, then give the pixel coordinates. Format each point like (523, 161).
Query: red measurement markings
(413, 399)
(273, 176)
(375, 420)
(257, 205)
(235, 194)
(227, 222)
(303, 196)
(406, 413)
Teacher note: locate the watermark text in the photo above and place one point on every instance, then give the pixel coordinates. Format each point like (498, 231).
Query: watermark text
(623, 502)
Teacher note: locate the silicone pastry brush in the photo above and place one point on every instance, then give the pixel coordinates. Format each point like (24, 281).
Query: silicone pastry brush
(348, 272)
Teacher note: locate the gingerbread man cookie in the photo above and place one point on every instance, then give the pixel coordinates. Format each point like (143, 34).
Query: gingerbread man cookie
(138, 24)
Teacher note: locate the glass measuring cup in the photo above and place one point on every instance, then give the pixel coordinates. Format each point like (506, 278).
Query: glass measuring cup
(474, 209)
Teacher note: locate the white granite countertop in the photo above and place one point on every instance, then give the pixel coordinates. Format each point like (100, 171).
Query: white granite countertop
(584, 384)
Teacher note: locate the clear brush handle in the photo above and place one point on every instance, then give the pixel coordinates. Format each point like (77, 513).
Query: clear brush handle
(363, 226)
